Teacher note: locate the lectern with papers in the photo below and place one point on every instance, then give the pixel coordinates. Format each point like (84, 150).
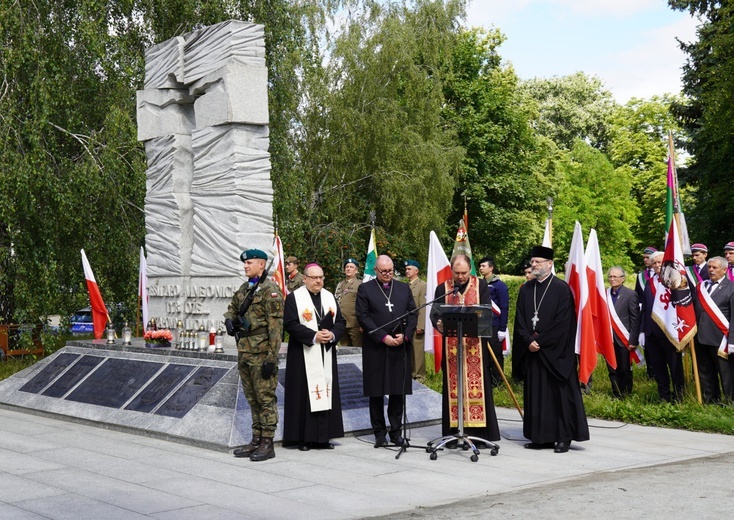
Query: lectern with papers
(460, 322)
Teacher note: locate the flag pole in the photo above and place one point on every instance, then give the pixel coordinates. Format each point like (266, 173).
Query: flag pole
(696, 379)
(549, 200)
(507, 384)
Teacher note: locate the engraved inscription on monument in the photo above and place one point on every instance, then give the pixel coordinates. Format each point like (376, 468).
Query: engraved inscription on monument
(115, 382)
(159, 388)
(189, 394)
(73, 375)
(49, 373)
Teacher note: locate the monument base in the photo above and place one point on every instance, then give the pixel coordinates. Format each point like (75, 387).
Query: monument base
(183, 396)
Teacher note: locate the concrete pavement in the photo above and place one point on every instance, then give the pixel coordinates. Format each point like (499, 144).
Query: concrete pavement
(56, 469)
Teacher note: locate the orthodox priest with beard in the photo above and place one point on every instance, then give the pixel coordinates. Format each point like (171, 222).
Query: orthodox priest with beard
(386, 351)
(482, 421)
(545, 323)
(312, 412)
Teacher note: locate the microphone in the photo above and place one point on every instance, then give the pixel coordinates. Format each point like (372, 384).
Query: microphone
(455, 291)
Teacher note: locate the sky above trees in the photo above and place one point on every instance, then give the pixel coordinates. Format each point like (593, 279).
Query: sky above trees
(629, 44)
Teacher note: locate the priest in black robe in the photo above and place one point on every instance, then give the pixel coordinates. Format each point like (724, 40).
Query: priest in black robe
(545, 324)
(465, 289)
(313, 321)
(386, 351)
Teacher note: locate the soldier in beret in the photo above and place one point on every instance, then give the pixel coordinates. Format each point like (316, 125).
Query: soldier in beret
(346, 297)
(418, 288)
(698, 272)
(729, 255)
(255, 318)
(294, 278)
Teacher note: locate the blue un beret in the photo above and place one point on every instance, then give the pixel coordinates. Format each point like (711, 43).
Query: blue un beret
(413, 263)
(249, 254)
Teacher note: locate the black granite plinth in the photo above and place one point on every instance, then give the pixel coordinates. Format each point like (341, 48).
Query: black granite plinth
(160, 388)
(73, 375)
(189, 394)
(115, 382)
(50, 372)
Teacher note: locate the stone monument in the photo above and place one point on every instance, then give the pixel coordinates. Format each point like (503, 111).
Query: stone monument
(203, 117)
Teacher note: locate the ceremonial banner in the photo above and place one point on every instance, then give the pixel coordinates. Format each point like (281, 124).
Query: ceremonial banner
(279, 265)
(673, 308)
(576, 279)
(99, 310)
(438, 271)
(371, 260)
(462, 246)
(672, 201)
(597, 301)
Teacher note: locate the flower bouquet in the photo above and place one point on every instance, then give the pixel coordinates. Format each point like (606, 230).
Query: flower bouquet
(158, 338)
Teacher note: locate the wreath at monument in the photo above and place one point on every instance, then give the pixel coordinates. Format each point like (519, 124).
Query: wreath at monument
(158, 338)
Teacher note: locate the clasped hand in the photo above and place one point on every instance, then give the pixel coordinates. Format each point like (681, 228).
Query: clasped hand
(394, 341)
(323, 336)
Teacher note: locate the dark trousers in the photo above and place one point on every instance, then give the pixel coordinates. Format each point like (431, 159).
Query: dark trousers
(621, 377)
(667, 365)
(394, 415)
(711, 368)
(496, 345)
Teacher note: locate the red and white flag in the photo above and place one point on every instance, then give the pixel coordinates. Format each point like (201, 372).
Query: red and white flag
(143, 287)
(603, 337)
(99, 310)
(438, 271)
(279, 267)
(577, 281)
(672, 306)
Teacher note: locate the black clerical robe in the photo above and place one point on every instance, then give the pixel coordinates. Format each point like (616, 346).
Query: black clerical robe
(300, 425)
(491, 431)
(554, 409)
(386, 370)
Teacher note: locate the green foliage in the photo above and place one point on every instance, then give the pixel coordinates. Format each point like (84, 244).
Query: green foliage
(708, 117)
(503, 173)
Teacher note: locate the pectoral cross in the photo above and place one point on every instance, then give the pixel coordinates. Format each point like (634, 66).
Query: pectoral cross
(535, 319)
(389, 305)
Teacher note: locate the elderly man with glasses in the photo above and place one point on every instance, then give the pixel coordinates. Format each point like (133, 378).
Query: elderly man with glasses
(624, 310)
(386, 350)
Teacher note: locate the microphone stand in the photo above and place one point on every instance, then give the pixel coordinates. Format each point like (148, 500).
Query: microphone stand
(406, 441)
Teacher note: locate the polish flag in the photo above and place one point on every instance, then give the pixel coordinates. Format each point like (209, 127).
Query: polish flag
(279, 268)
(439, 270)
(99, 311)
(598, 302)
(577, 281)
(142, 286)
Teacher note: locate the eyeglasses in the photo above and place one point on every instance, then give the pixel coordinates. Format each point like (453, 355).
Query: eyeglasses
(314, 277)
(385, 272)
(538, 261)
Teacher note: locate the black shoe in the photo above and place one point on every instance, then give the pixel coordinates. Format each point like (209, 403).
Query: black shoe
(539, 445)
(380, 441)
(304, 446)
(397, 440)
(246, 451)
(322, 446)
(562, 446)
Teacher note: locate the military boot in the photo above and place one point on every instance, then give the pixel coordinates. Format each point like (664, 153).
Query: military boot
(265, 451)
(246, 451)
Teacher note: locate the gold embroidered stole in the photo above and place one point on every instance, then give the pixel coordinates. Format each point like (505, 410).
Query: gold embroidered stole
(475, 414)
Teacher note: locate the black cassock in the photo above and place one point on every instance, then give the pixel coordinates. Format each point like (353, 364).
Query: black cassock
(491, 432)
(386, 370)
(554, 409)
(300, 425)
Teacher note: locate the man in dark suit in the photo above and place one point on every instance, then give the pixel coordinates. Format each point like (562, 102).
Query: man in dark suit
(386, 350)
(715, 338)
(660, 353)
(624, 309)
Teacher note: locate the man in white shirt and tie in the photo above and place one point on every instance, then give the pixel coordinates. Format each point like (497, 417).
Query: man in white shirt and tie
(715, 339)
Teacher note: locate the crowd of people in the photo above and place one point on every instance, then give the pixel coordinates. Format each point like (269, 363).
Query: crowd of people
(386, 318)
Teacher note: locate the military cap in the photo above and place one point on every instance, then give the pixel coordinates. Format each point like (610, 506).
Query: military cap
(541, 252)
(351, 260)
(249, 254)
(413, 263)
(699, 247)
(649, 250)
(729, 246)
(291, 260)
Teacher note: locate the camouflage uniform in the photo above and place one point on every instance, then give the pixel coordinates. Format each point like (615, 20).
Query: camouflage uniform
(294, 283)
(346, 297)
(257, 346)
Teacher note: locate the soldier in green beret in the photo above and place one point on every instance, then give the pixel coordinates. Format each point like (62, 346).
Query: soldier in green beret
(255, 318)
(346, 297)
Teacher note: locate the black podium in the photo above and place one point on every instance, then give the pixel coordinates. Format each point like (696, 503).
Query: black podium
(460, 322)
